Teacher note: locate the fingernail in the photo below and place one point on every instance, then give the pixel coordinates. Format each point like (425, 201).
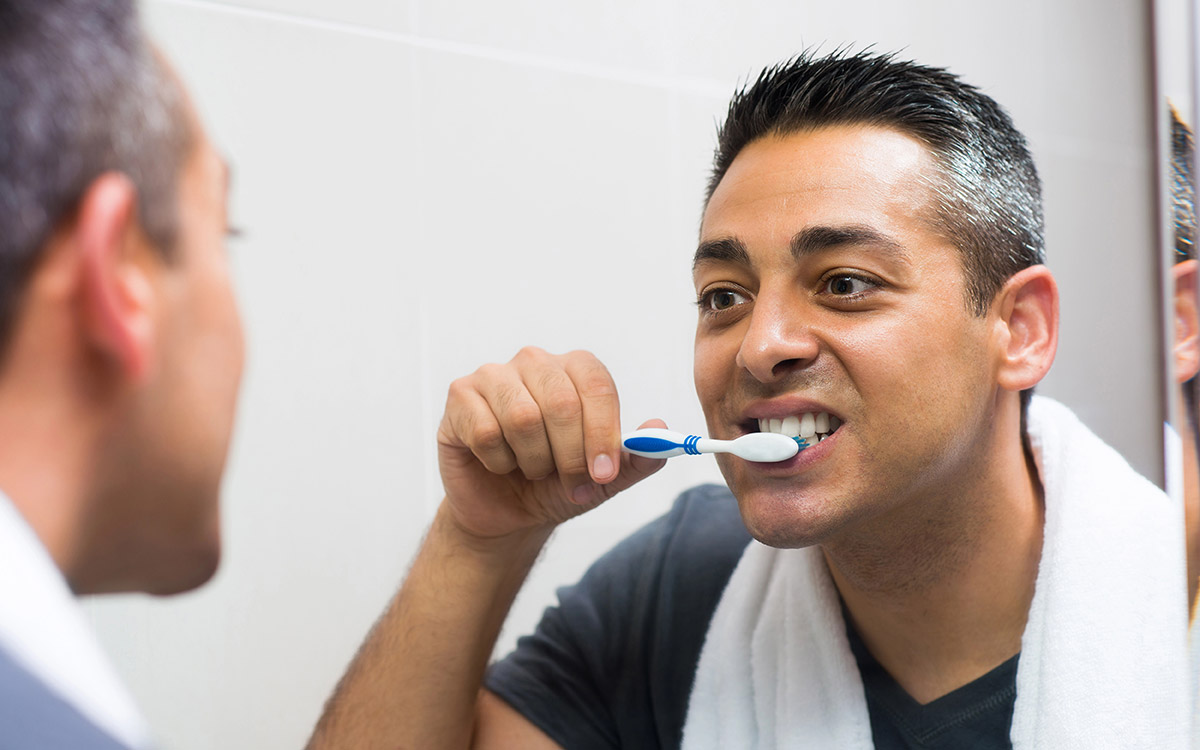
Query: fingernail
(582, 495)
(602, 466)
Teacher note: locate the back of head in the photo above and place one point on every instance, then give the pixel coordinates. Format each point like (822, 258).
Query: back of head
(81, 94)
(987, 192)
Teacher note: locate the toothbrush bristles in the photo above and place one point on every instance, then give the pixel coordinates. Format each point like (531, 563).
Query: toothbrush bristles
(802, 441)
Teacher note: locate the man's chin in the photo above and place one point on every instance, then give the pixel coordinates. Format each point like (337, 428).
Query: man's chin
(188, 574)
(782, 520)
(160, 572)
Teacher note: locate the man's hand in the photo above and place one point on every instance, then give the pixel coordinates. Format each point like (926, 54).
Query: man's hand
(533, 443)
(522, 447)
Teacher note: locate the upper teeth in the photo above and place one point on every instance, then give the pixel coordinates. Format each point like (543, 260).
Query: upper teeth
(804, 425)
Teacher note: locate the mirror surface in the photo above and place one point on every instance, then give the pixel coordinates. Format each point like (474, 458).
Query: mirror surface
(428, 185)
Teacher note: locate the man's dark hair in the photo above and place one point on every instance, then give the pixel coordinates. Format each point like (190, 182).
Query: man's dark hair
(81, 93)
(987, 194)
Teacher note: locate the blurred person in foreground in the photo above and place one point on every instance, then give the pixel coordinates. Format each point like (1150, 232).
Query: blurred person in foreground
(120, 355)
(952, 563)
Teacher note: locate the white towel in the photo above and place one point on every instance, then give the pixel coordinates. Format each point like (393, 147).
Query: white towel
(1103, 657)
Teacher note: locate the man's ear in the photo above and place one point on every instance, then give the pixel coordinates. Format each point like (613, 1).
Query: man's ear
(116, 294)
(1187, 321)
(1027, 327)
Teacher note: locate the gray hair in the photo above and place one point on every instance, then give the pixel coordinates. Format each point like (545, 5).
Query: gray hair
(82, 93)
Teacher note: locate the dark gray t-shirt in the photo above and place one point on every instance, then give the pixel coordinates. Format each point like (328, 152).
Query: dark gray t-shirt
(612, 665)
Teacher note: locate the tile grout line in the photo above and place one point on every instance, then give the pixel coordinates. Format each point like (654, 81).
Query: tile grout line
(688, 84)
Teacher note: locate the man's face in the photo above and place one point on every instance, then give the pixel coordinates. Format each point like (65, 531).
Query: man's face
(177, 434)
(823, 289)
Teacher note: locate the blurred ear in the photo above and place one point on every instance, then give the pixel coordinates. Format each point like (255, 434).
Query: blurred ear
(1027, 327)
(116, 293)
(1187, 324)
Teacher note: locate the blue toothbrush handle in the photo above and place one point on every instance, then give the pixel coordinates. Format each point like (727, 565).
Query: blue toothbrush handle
(655, 442)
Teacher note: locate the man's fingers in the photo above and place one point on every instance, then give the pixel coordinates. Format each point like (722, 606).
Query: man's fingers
(469, 422)
(562, 412)
(546, 414)
(519, 417)
(633, 469)
(601, 414)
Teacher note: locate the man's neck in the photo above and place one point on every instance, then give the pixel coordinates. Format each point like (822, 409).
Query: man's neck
(41, 471)
(940, 592)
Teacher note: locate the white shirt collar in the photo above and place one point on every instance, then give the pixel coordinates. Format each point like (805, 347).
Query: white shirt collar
(43, 628)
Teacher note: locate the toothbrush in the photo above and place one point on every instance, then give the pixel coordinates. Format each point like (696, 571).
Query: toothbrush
(654, 442)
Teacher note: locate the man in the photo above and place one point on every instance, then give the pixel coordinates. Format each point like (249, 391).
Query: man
(947, 564)
(122, 355)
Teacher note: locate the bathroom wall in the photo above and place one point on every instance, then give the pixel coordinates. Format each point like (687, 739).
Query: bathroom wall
(428, 185)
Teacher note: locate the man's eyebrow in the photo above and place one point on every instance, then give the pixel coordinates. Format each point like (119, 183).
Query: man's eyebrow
(807, 242)
(721, 250)
(815, 239)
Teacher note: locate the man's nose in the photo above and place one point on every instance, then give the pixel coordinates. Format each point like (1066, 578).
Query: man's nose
(778, 340)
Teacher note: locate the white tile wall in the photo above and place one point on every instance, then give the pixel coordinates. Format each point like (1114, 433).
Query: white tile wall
(617, 34)
(432, 184)
(370, 15)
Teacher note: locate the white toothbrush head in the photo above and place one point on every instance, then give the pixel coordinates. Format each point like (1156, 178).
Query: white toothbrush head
(766, 447)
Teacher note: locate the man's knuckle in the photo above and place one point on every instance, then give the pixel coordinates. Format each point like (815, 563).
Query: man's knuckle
(563, 406)
(581, 356)
(530, 353)
(525, 418)
(488, 438)
(489, 370)
(459, 389)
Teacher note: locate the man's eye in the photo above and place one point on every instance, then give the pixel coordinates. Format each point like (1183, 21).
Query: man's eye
(721, 299)
(845, 285)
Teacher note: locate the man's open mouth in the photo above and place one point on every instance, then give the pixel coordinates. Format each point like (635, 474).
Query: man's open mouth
(809, 425)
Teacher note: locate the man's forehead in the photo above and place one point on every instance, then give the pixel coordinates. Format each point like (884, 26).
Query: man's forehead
(849, 158)
(855, 180)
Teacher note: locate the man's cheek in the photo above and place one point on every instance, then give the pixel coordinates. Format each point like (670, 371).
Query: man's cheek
(709, 375)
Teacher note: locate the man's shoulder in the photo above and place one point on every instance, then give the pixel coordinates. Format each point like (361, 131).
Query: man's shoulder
(660, 586)
(706, 533)
(613, 663)
(34, 717)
